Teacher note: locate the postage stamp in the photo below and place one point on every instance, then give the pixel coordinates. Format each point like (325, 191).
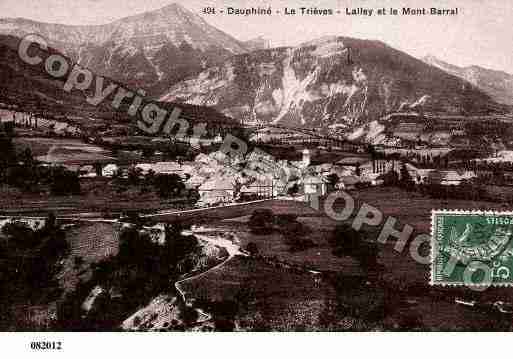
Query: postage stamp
(471, 248)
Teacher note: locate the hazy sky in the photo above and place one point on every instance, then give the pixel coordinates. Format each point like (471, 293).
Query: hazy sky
(481, 34)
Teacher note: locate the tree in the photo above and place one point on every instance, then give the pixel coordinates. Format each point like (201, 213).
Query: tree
(117, 174)
(294, 189)
(134, 175)
(149, 178)
(358, 170)
(405, 179)
(252, 248)
(391, 178)
(8, 157)
(21, 176)
(50, 223)
(63, 182)
(26, 157)
(193, 195)
(345, 240)
(333, 180)
(168, 185)
(262, 221)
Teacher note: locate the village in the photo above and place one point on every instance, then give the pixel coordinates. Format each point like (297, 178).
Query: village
(198, 209)
(291, 164)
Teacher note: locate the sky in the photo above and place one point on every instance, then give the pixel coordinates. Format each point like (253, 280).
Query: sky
(482, 33)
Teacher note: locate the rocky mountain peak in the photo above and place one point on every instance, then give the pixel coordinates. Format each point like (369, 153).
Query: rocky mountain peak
(328, 81)
(151, 50)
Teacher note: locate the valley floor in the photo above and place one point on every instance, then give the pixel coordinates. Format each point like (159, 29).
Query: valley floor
(279, 288)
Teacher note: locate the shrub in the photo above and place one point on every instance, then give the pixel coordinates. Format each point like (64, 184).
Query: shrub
(262, 221)
(391, 178)
(293, 190)
(63, 182)
(20, 233)
(168, 185)
(347, 241)
(406, 181)
(252, 248)
(285, 219)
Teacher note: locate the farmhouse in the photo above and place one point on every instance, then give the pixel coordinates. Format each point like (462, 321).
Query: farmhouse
(163, 168)
(109, 170)
(216, 190)
(315, 185)
(257, 189)
(87, 171)
(450, 178)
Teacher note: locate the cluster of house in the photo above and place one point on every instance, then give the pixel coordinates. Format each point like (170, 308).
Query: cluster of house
(221, 179)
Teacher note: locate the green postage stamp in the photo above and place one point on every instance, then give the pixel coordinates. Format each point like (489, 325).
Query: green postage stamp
(471, 248)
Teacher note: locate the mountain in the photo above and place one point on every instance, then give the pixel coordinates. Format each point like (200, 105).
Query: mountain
(329, 81)
(258, 43)
(152, 50)
(30, 89)
(497, 84)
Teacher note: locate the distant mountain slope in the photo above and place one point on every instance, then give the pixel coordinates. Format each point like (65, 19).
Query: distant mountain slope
(258, 43)
(30, 89)
(152, 50)
(333, 80)
(497, 84)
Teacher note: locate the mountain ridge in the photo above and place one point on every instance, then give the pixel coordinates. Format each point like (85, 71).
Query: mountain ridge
(150, 50)
(496, 83)
(329, 81)
(30, 89)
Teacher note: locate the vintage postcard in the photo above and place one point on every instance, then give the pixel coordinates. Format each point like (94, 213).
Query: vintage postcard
(267, 166)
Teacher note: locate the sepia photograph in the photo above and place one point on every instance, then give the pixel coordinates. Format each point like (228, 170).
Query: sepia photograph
(266, 166)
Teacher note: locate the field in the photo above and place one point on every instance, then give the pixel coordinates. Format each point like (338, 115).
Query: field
(63, 151)
(412, 208)
(276, 299)
(98, 197)
(89, 243)
(340, 297)
(284, 288)
(207, 215)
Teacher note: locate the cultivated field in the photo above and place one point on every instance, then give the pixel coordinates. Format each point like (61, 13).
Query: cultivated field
(340, 297)
(89, 243)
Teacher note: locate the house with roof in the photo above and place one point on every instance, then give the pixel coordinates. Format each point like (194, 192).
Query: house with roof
(109, 170)
(259, 188)
(450, 177)
(315, 185)
(216, 190)
(195, 180)
(372, 179)
(163, 168)
(87, 171)
(348, 182)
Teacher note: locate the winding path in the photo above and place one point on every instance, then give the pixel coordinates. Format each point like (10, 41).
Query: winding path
(232, 249)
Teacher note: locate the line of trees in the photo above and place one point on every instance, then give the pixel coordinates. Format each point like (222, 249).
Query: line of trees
(22, 171)
(166, 185)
